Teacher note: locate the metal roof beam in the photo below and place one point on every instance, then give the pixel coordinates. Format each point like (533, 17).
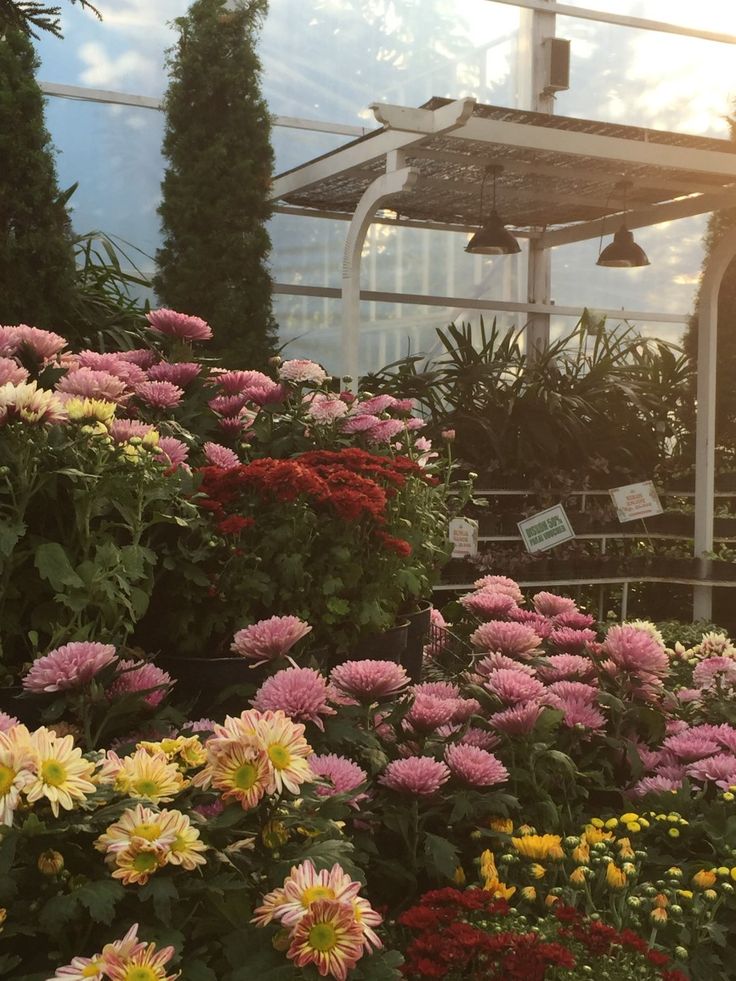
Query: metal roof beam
(437, 226)
(656, 214)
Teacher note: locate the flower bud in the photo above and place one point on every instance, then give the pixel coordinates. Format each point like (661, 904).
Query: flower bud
(681, 953)
(281, 941)
(50, 862)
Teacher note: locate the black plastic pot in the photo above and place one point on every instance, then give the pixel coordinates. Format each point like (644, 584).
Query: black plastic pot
(417, 636)
(388, 645)
(204, 679)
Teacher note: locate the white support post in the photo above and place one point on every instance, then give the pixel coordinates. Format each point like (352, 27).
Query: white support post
(705, 432)
(385, 186)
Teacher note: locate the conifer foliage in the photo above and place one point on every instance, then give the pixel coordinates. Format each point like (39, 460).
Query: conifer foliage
(37, 277)
(215, 190)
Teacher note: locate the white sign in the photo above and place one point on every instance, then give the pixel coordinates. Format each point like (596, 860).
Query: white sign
(636, 501)
(464, 537)
(546, 529)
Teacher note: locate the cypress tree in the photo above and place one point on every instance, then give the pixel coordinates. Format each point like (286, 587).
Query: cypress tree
(215, 191)
(36, 254)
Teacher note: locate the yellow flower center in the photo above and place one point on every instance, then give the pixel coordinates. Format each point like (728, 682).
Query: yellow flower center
(53, 773)
(141, 974)
(145, 862)
(146, 787)
(92, 970)
(279, 756)
(7, 776)
(179, 844)
(322, 937)
(149, 831)
(313, 893)
(245, 776)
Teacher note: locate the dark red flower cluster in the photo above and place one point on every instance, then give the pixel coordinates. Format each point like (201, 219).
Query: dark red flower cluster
(390, 473)
(390, 543)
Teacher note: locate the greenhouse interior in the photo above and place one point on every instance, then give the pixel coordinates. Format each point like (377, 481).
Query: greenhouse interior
(367, 490)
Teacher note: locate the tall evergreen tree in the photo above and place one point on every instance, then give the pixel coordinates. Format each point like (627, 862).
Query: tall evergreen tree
(32, 15)
(215, 190)
(718, 224)
(36, 254)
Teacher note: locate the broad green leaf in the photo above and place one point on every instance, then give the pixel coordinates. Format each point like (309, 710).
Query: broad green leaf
(53, 565)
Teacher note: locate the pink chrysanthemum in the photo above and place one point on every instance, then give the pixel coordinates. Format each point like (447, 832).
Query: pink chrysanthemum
(227, 405)
(220, 456)
(269, 394)
(475, 766)
(70, 666)
(325, 409)
(181, 373)
(580, 712)
(671, 771)
(551, 605)
(7, 721)
(636, 651)
(465, 708)
(179, 325)
(439, 635)
(44, 344)
(499, 662)
(501, 584)
(359, 424)
(487, 604)
(172, 452)
(429, 712)
(715, 671)
(340, 776)
(301, 693)
(122, 430)
(512, 687)
(302, 372)
(512, 639)
(517, 721)
(726, 736)
(720, 769)
(440, 689)
(570, 641)
(654, 785)
(575, 621)
(111, 362)
(369, 680)
(143, 357)
(269, 639)
(11, 372)
(480, 738)
(418, 775)
(160, 394)
(690, 746)
(374, 406)
(562, 667)
(385, 430)
(574, 689)
(238, 382)
(140, 676)
(91, 384)
(539, 624)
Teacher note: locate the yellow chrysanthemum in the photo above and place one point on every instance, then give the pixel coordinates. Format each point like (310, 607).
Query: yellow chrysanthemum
(458, 876)
(581, 853)
(593, 835)
(287, 751)
(537, 870)
(624, 848)
(540, 848)
(491, 882)
(529, 893)
(61, 774)
(615, 877)
(143, 775)
(85, 410)
(577, 876)
(502, 825)
(136, 864)
(187, 751)
(243, 773)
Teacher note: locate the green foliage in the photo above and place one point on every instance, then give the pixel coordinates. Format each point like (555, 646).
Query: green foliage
(215, 191)
(37, 278)
(33, 15)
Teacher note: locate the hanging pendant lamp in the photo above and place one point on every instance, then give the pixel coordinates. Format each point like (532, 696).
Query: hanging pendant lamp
(623, 252)
(493, 238)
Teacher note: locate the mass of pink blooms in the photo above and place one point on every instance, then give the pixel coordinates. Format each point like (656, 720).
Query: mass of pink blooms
(70, 666)
(269, 639)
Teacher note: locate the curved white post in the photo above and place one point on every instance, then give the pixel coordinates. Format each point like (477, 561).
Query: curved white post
(705, 432)
(385, 186)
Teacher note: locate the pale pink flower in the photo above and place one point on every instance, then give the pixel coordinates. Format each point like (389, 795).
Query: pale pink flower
(475, 766)
(301, 372)
(403, 406)
(512, 639)
(517, 721)
(428, 712)
(122, 430)
(7, 721)
(551, 605)
(571, 641)
(179, 325)
(269, 394)
(487, 604)
(112, 363)
(726, 736)
(575, 620)
(496, 662)
(465, 708)
(9, 341)
(448, 434)
(182, 373)
(687, 696)
(373, 406)
(143, 357)
(439, 634)
(580, 712)
(227, 405)
(560, 667)
(671, 771)
(11, 372)
(480, 738)
(720, 769)
(502, 584)
(238, 382)
(369, 680)
(70, 666)
(691, 746)
(234, 426)
(301, 693)
(91, 384)
(654, 785)
(574, 689)
(141, 676)
(339, 775)
(385, 430)
(160, 394)
(44, 344)
(414, 424)
(636, 651)
(440, 689)
(713, 671)
(173, 452)
(220, 456)
(418, 775)
(324, 409)
(358, 424)
(269, 639)
(541, 626)
(511, 686)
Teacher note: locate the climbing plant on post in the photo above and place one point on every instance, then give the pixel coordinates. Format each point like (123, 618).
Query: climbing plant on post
(213, 261)
(37, 277)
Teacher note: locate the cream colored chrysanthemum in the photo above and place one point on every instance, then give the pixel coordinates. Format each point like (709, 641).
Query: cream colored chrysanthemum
(186, 751)
(242, 772)
(150, 777)
(61, 774)
(86, 410)
(186, 848)
(138, 825)
(136, 864)
(16, 770)
(648, 627)
(286, 749)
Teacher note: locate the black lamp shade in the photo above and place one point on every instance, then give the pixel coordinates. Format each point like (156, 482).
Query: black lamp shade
(493, 239)
(623, 252)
